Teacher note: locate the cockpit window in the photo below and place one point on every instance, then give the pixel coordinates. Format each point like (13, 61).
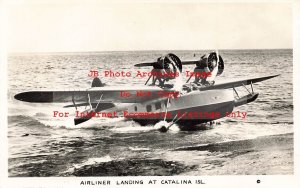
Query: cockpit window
(157, 106)
(149, 108)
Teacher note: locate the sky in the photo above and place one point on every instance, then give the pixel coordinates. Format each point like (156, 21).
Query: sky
(104, 26)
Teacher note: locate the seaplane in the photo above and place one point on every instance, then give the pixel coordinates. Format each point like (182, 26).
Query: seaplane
(164, 100)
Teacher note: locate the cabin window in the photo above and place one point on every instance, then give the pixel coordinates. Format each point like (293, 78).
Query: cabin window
(135, 108)
(157, 106)
(149, 108)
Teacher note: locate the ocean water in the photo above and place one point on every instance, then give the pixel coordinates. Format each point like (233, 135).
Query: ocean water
(43, 145)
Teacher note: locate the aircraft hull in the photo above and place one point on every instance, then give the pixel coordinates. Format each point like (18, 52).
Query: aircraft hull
(195, 108)
(221, 108)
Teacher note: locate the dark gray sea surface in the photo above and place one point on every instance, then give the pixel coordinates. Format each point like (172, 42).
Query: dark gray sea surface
(43, 145)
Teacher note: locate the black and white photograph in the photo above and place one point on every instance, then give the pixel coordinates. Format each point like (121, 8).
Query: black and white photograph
(148, 93)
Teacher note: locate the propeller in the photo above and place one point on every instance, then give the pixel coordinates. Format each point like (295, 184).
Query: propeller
(167, 63)
(163, 62)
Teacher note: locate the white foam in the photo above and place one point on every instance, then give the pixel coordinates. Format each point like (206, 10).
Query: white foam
(174, 127)
(139, 149)
(133, 129)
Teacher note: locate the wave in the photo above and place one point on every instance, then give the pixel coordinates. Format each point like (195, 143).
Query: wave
(22, 120)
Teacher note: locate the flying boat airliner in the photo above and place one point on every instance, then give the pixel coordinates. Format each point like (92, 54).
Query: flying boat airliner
(159, 101)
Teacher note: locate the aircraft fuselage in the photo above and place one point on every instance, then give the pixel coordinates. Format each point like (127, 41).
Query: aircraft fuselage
(194, 108)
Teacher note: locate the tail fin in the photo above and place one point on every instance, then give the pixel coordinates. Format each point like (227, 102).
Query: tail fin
(97, 82)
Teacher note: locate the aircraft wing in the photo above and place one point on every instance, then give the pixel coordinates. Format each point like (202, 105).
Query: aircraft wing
(237, 83)
(109, 94)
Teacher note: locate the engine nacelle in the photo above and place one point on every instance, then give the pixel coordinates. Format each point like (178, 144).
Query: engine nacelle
(211, 60)
(168, 65)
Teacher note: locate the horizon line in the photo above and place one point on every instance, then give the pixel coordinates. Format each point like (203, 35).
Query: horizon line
(93, 51)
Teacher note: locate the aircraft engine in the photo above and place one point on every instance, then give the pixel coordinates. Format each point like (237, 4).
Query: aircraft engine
(168, 65)
(211, 60)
